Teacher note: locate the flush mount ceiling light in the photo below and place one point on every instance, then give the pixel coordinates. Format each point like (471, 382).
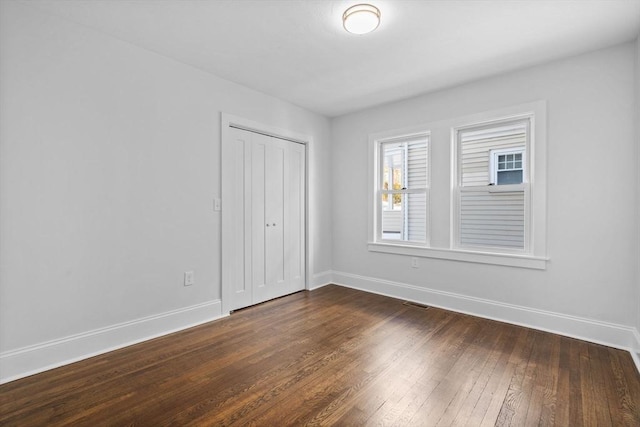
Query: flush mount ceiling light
(361, 19)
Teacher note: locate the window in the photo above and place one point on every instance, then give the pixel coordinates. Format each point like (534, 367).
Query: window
(471, 189)
(402, 189)
(493, 155)
(507, 167)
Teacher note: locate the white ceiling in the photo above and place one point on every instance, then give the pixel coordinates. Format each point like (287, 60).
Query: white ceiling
(297, 50)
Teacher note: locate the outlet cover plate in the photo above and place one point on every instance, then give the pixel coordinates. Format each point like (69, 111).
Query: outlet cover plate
(189, 278)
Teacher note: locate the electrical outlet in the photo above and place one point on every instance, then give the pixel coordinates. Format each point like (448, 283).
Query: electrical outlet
(414, 262)
(189, 278)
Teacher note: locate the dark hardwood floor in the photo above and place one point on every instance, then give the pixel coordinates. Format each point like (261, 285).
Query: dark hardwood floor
(336, 356)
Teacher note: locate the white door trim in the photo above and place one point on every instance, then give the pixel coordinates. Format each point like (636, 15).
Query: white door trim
(227, 241)
(229, 120)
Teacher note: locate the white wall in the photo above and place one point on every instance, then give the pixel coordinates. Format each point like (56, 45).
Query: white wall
(590, 284)
(109, 159)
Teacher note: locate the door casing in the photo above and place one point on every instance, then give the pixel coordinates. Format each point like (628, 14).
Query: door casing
(230, 246)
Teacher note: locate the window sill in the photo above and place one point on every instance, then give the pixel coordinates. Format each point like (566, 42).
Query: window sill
(511, 260)
(512, 188)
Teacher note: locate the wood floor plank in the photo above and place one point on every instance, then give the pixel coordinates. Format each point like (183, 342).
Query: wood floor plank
(548, 382)
(388, 375)
(498, 391)
(378, 393)
(457, 380)
(543, 385)
(627, 382)
(515, 399)
(431, 364)
(478, 400)
(564, 397)
(337, 356)
(593, 413)
(372, 355)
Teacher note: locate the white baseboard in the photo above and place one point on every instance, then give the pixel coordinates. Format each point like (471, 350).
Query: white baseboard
(321, 279)
(609, 334)
(636, 358)
(41, 357)
(635, 353)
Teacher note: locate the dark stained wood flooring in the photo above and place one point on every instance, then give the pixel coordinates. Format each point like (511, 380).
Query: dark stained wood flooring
(337, 356)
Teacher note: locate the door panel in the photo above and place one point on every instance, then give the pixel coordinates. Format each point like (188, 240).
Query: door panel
(234, 279)
(296, 224)
(257, 218)
(274, 208)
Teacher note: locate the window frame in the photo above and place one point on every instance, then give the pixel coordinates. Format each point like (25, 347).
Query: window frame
(458, 189)
(441, 216)
(494, 156)
(377, 143)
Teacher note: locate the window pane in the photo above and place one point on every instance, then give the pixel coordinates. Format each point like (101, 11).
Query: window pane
(392, 221)
(501, 162)
(385, 201)
(416, 226)
(509, 177)
(492, 220)
(476, 146)
(396, 201)
(408, 218)
(402, 211)
(417, 164)
(385, 177)
(393, 157)
(405, 164)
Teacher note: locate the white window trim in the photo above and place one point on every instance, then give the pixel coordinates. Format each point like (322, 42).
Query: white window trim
(493, 163)
(508, 188)
(537, 258)
(478, 257)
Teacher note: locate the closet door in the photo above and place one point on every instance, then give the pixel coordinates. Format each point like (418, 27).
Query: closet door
(275, 205)
(295, 226)
(264, 206)
(256, 217)
(237, 289)
(268, 203)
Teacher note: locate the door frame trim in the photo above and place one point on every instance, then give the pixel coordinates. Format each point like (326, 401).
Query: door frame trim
(228, 121)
